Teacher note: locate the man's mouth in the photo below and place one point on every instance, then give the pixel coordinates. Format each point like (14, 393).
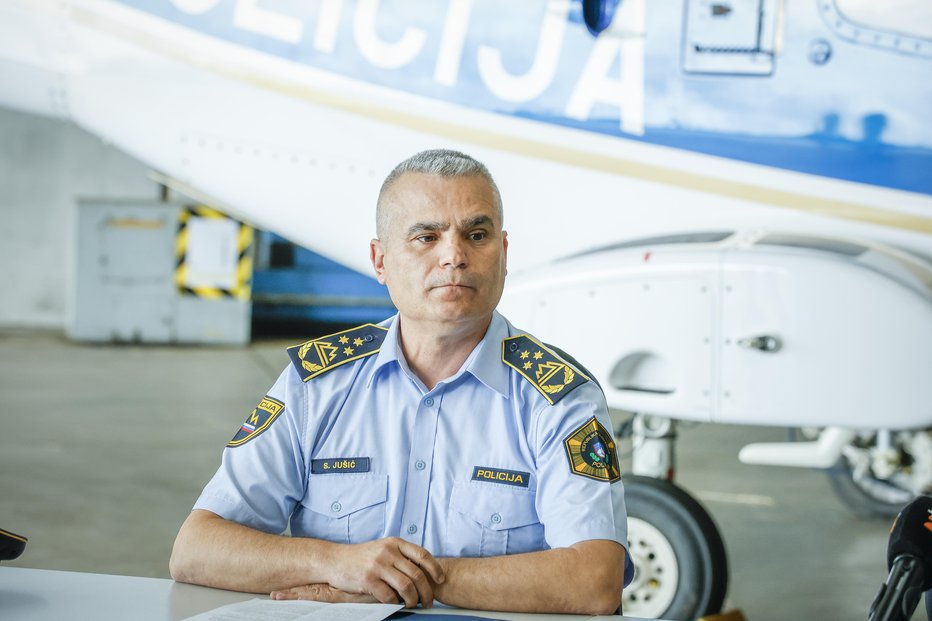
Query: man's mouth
(451, 285)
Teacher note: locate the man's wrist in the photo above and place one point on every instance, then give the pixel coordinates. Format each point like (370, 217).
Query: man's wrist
(324, 563)
(446, 564)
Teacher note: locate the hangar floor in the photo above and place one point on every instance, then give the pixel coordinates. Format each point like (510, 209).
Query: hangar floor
(103, 450)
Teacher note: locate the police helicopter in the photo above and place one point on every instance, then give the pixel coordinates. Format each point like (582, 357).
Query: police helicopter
(722, 208)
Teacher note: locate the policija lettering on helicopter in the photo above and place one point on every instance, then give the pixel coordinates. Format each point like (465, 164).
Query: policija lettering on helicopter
(523, 57)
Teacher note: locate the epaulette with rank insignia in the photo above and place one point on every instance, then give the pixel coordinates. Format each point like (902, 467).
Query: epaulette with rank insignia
(548, 373)
(328, 352)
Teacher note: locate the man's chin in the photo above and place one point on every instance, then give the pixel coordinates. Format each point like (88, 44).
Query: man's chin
(454, 310)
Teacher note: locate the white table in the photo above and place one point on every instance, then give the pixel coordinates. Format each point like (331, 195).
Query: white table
(44, 595)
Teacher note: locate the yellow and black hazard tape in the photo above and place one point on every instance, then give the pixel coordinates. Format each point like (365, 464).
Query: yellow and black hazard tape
(243, 287)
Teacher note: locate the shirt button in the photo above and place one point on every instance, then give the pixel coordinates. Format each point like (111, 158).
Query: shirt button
(419, 464)
(336, 507)
(429, 401)
(496, 518)
(412, 529)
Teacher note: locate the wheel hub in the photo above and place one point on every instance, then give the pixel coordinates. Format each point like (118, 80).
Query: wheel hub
(656, 571)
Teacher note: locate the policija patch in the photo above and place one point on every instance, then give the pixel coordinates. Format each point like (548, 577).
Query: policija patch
(257, 422)
(592, 452)
(497, 475)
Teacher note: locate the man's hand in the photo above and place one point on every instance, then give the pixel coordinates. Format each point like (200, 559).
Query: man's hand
(390, 570)
(215, 552)
(323, 593)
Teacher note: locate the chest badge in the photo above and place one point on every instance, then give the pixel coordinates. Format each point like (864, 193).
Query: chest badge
(592, 453)
(340, 465)
(497, 475)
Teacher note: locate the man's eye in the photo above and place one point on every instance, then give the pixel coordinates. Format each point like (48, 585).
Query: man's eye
(478, 235)
(425, 239)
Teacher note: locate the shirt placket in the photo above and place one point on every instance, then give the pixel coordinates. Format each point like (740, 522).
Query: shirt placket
(420, 464)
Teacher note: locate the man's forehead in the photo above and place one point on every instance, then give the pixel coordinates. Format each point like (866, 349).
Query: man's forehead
(428, 183)
(449, 200)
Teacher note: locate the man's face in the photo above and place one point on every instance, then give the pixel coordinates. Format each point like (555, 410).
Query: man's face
(443, 252)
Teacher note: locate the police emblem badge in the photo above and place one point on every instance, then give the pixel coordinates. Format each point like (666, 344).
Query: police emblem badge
(592, 453)
(262, 416)
(550, 375)
(328, 352)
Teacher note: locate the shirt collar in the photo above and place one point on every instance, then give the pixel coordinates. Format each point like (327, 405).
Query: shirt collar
(390, 350)
(484, 363)
(487, 366)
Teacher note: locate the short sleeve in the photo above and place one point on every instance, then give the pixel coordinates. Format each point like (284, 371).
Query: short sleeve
(262, 475)
(580, 495)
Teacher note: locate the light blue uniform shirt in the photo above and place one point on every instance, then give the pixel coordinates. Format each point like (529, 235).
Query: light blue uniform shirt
(403, 461)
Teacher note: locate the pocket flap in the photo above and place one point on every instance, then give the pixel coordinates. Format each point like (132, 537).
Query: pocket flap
(337, 495)
(494, 506)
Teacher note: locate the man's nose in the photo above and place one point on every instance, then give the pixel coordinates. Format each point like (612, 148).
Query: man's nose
(452, 252)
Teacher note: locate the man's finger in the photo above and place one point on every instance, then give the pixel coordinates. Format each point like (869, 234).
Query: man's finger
(308, 591)
(322, 593)
(423, 559)
(425, 591)
(403, 586)
(383, 593)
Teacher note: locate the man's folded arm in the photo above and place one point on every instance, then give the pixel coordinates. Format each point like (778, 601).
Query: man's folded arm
(585, 578)
(212, 551)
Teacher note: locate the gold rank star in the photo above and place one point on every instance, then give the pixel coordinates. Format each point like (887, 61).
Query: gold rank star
(528, 365)
(524, 355)
(348, 350)
(357, 341)
(344, 340)
(538, 355)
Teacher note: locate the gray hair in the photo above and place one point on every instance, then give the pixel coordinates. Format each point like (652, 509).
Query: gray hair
(440, 162)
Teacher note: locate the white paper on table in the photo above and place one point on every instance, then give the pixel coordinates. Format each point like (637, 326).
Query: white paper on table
(296, 610)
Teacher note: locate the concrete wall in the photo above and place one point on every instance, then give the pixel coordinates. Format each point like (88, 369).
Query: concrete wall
(45, 166)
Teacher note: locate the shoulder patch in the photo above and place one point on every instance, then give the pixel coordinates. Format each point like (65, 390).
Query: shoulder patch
(261, 418)
(546, 371)
(592, 452)
(328, 352)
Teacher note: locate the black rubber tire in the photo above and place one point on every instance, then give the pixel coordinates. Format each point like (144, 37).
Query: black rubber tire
(696, 542)
(861, 501)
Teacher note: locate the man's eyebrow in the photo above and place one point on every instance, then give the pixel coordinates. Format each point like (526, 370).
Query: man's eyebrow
(470, 223)
(428, 227)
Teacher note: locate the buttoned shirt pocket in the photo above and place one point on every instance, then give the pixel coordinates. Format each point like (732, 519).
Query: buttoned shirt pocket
(344, 508)
(486, 519)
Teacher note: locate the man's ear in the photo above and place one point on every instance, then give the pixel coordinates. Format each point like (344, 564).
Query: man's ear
(505, 249)
(377, 256)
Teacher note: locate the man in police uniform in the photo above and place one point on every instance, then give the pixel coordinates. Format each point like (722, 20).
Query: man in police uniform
(440, 455)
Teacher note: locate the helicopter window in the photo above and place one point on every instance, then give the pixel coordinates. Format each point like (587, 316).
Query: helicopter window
(907, 17)
(704, 237)
(813, 243)
(903, 26)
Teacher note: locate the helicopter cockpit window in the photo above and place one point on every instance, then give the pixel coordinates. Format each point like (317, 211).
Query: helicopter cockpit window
(701, 237)
(906, 17)
(813, 243)
(904, 26)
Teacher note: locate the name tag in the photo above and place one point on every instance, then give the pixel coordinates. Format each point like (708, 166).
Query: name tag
(339, 465)
(497, 475)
